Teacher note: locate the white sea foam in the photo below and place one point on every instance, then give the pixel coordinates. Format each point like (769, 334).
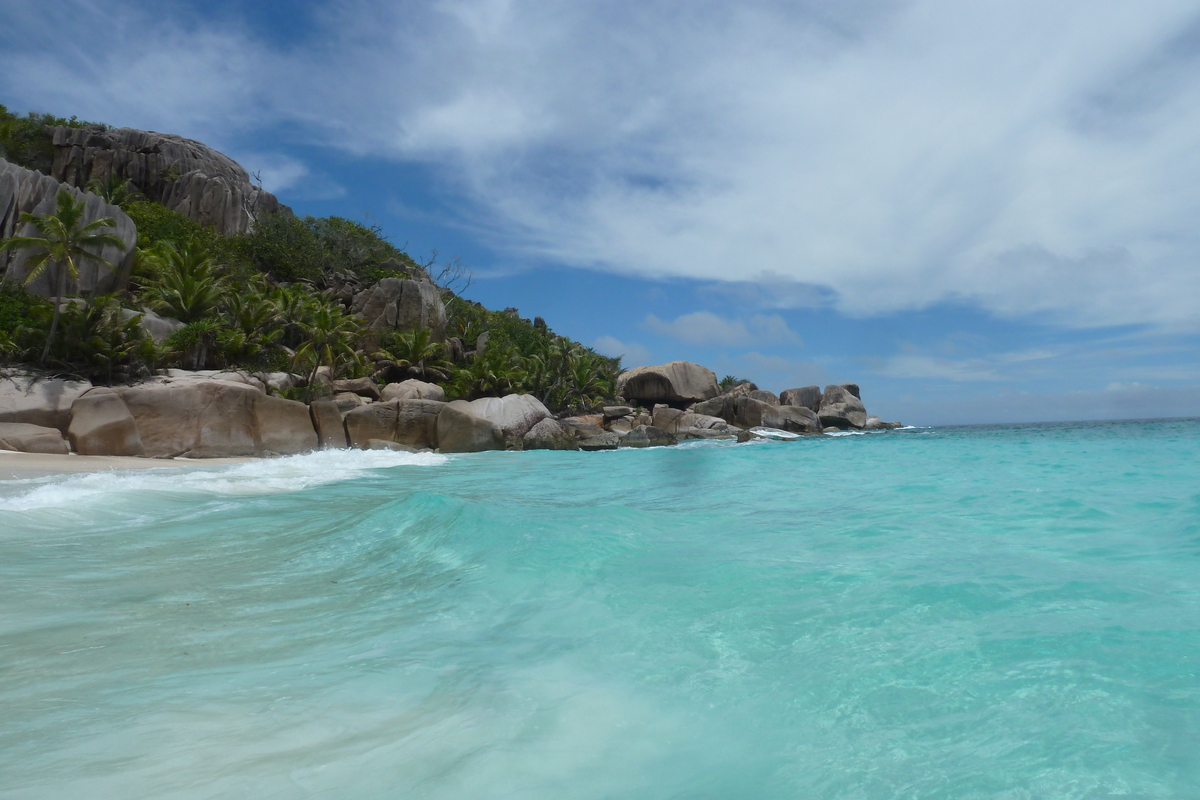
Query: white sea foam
(266, 476)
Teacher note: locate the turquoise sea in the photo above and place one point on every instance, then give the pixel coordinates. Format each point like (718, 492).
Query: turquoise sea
(984, 612)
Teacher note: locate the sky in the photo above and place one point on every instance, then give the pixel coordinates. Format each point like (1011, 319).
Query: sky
(980, 212)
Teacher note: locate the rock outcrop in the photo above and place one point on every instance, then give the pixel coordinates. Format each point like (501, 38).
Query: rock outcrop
(208, 418)
(841, 407)
(327, 421)
(408, 422)
(25, 438)
(363, 387)
(181, 174)
(807, 396)
(23, 190)
(101, 425)
(549, 435)
(647, 436)
(39, 402)
(746, 412)
(460, 431)
(679, 382)
(413, 390)
(514, 414)
(398, 304)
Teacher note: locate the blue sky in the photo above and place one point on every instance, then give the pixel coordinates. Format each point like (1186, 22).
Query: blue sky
(980, 212)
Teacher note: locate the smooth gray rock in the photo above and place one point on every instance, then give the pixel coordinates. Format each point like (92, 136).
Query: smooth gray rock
(514, 414)
(158, 328)
(24, 190)
(615, 412)
(763, 396)
(101, 425)
(647, 436)
(407, 422)
(328, 422)
(349, 401)
(181, 174)
(807, 396)
(39, 402)
(874, 423)
(746, 412)
(213, 418)
(25, 438)
(605, 440)
(397, 304)
(548, 434)
(413, 389)
(673, 383)
(795, 419)
(363, 387)
(852, 388)
(460, 431)
(841, 408)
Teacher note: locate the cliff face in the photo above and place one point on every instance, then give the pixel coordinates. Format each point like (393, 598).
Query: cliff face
(182, 174)
(26, 190)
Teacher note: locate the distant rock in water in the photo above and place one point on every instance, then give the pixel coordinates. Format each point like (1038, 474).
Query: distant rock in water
(24, 190)
(183, 175)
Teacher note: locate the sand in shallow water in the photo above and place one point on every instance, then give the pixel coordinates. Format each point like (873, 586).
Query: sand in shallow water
(26, 465)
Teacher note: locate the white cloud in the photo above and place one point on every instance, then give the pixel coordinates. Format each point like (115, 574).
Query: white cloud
(631, 354)
(915, 365)
(705, 327)
(1027, 157)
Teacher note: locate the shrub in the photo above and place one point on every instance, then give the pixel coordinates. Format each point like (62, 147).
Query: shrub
(25, 141)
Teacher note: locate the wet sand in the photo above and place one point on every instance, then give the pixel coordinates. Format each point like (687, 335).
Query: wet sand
(31, 465)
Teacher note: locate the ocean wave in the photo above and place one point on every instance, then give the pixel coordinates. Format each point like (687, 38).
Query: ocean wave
(265, 476)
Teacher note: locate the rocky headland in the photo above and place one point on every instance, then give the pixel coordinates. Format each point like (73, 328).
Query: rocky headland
(202, 330)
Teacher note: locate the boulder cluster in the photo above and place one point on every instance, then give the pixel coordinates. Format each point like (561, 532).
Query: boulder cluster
(207, 414)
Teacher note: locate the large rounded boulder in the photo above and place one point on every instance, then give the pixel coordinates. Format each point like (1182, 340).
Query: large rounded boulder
(396, 304)
(39, 402)
(210, 418)
(679, 382)
(101, 425)
(514, 414)
(842, 408)
(460, 431)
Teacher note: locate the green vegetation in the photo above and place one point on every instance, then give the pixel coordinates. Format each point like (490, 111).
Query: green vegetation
(273, 299)
(728, 382)
(65, 241)
(25, 142)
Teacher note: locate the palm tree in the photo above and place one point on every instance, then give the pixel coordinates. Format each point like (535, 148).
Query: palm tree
(188, 285)
(113, 190)
(329, 341)
(414, 355)
(65, 241)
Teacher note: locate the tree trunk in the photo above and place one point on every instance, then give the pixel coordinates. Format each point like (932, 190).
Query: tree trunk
(62, 288)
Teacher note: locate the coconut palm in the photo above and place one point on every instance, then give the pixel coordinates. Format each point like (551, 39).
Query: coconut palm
(113, 190)
(65, 241)
(329, 337)
(412, 354)
(188, 285)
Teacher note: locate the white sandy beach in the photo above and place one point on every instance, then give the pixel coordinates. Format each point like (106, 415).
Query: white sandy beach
(25, 465)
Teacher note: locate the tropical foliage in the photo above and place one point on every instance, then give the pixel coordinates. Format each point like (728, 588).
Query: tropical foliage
(65, 242)
(276, 298)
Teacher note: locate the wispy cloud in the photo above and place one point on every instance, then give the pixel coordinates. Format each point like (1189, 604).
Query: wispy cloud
(705, 327)
(1023, 157)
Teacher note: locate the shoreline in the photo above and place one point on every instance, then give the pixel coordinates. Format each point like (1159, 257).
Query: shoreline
(16, 466)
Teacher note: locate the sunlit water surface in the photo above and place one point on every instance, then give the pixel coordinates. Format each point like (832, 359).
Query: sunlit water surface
(999, 612)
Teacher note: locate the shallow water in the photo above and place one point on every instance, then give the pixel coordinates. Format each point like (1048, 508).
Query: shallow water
(997, 612)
